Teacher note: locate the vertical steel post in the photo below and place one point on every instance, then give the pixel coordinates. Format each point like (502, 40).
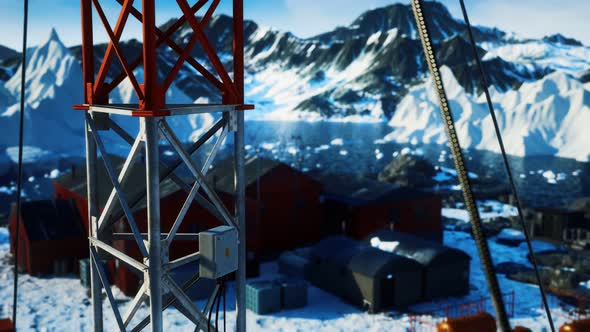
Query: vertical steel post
(238, 48)
(95, 285)
(150, 83)
(241, 216)
(87, 48)
(91, 156)
(153, 211)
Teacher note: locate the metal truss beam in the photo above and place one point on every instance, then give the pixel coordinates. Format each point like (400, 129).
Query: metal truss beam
(107, 287)
(186, 302)
(194, 190)
(91, 178)
(154, 273)
(106, 61)
(137, 301)
(125, 170)
(194, 257)
(168, 171)
(179, 236)
(116, 185)
(115, 44)
(170, 301)
(128, 260)
(189, 162)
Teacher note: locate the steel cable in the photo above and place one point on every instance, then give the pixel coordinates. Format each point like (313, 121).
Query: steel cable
(20, 160)
(484, 81)
(462, 173)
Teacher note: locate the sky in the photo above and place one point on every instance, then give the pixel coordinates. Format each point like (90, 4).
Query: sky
(529, 18)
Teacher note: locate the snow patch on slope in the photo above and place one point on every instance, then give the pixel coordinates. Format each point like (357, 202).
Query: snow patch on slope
(568, 58)
(54, 85)
(189, 127)
(54, 80)
(544, 117)
(279, 92)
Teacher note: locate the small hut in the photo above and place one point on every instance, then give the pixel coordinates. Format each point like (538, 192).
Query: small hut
(358, 207)
(287, 209)
(329, 266)
(363, 276)
(386, 280)
(560, 224)
(445, 269)
(52, 239)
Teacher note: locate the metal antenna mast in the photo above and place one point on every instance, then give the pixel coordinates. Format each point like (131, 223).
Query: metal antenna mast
(159, 290)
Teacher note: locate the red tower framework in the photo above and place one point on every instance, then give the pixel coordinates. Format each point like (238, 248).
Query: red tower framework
(159, 290)
(152, 93)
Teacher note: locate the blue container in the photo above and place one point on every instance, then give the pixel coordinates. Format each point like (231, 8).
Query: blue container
(263, 297)
(293, 265)
(85, 272)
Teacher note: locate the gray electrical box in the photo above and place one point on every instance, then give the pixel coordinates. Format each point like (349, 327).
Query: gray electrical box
(219, 252)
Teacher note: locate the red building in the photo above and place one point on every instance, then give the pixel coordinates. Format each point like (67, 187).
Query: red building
(283, 210)
(288, 212)
(51, 238)
(197, 219)
(357, 208)
(72, 185)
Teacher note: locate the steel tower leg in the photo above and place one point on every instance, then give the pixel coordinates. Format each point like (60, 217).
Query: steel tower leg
(153, 210)
(150, 110)
(239, 164)
(95, 285)
(240, 214)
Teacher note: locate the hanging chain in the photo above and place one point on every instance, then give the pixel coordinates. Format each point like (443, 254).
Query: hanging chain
(462, 173)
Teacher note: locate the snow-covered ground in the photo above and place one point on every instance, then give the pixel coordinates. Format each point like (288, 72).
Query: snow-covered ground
(487, 210)
(528, 309)
(61, 303)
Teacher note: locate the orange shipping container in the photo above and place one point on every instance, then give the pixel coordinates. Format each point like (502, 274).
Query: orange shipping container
(481, 322)
(576, 326)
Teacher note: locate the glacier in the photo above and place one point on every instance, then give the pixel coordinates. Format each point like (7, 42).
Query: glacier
(545, 117)
(53, 86)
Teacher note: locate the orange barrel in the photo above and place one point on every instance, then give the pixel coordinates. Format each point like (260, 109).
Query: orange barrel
(521, 329)
(481, 322)
(581, 325)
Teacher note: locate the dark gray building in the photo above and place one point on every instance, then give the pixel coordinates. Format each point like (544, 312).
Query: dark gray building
(561, 224)
(385, 280)
(363, 276)
(445, 269)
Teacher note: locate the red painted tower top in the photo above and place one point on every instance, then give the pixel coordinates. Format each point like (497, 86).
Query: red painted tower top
(152, 93)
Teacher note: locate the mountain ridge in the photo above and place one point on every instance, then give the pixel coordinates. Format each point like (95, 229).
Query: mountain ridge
(367, 76)
(540, 118)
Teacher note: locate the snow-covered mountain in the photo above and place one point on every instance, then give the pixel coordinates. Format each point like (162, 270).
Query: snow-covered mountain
(54, 79)
(370, 70)
(363, 70)
(545, 117)
(53, 86)
(190, 127)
